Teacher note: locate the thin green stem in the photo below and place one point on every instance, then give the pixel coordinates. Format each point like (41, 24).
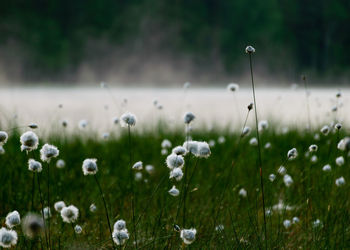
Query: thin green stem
(42, 210)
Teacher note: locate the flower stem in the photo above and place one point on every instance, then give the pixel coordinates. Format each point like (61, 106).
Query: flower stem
(42, 211)
(259, 148)
(33, 190)
(48, 202)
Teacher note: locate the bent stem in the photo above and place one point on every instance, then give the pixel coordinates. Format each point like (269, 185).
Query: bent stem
(259, 148)
(106, 210)
(42, 211)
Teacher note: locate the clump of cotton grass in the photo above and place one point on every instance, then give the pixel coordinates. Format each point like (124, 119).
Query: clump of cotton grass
(47, 152)
(60, 163)
(70, 214)
(263, 125)
(138, 165)
(83, 124)
(90, 166)
(233, 87)
(149, 169)
(176, 173)
(287, 224)
(340, 181)
(313, 148)
(8, 238)
(120, 232)
(3, 137)
(13, 219)
(253, 141)
(272, 177)
(325, 130)
(188, 235)
(292, 154)
(344, 144)
(34, 166)
(59, 205)
(128, 120)
(29, 141)
(166, 143)
(179, 150)
(340, 161)
(242, 192)
(175, 161)
(327, 168)
(191, 146)
(32, 225)
(189, 117)
(174, 191)
(287, 179)
(93, 208)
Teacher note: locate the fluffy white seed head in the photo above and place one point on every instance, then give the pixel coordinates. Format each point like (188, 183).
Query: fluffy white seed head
(174, 191)
(313, 148)
(249, 49)
(149, 169)
(34, 166)
(344, 144)
(313, 159)
(287, 224)
(203, 150)
(267, 145)
(166, 143)
(59, 205)
(340, 161)
(325, 130)
(120, 236)
(292, 154)
(83, 124)
(47, 152)
(32, 225)
(263, 125)
(128, 119)
(90, 166)
(93, 208)
(138, 176)
(189, 117)
(60, 163)
(340, 181)
(179, 150)
(13, 219)
(175, 161)
(176, 173)
(272, 177)
(282, 170)
(253, 141)
(8, 238)
(233, 87)
(191, 146)
(116, 120)
(337, 126)
(221, 139)
(2, 150)
(246, 131)
(327, 168)
(64, 123)
(119, 225)
(69, 214)
(317, 223)
(78, 229)
(295, 220)
(188, 235)
(138, 165)
(3, 137)
(47, 212)
(29, 141)
(242, 192)
(287, 179)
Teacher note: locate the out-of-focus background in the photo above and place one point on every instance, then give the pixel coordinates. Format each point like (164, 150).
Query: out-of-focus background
(162, 43)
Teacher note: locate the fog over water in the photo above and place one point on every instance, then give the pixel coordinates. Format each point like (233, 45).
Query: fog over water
(213, 107)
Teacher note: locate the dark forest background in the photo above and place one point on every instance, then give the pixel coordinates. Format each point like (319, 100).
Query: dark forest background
(54, 40)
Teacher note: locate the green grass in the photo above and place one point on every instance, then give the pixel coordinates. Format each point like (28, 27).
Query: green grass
(155, 209)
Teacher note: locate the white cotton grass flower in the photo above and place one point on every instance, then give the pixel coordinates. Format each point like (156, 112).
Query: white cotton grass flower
(188, 235)
(83, 124)
(219, 228)
(282, 170)
(64, 123)
(327, 168)
(338, 126)
(116, 120)
(267, 145)
(317, 223)
(249, 49)
(2, 150)
(78, 229)
(13, 219)
(166, 143)
(191, 146)
(128, 120)
(164, 151)
(272, 177)
(70, 214)
(138, 165)
(211, 143)
(120, 236)
(47, 213)
(253, 141)
(325, 130)
(246, 131)
(29, 141)
(340, 181)
(60, 163)
(32, 225)
(138, 176)
(295, 220)
(242, 192)
(221, 139)
(189, 117)
(313, 148)
(176, 173)
(90, 166)
(179, 150)
(344, 144)
(287, 179)
(313, 159)
(233, 87)
(47, 152)
(59, 205)
(292, 154)
(149, 169)
(281, 207)
(203, 150)
(175, 161)
(105, 135)
(287, 224)
(268, 212)
(174, 191)
(119, 225)
(93, 208)
(263, 125)
(8, 238)
(34, 166)
(317, 137)
(33, 125)
(3, 137)
(340, 161)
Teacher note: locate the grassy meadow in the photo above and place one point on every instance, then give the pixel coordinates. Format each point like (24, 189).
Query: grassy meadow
(310, 213)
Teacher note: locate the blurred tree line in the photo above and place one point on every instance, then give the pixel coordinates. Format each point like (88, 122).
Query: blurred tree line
(312, 34)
